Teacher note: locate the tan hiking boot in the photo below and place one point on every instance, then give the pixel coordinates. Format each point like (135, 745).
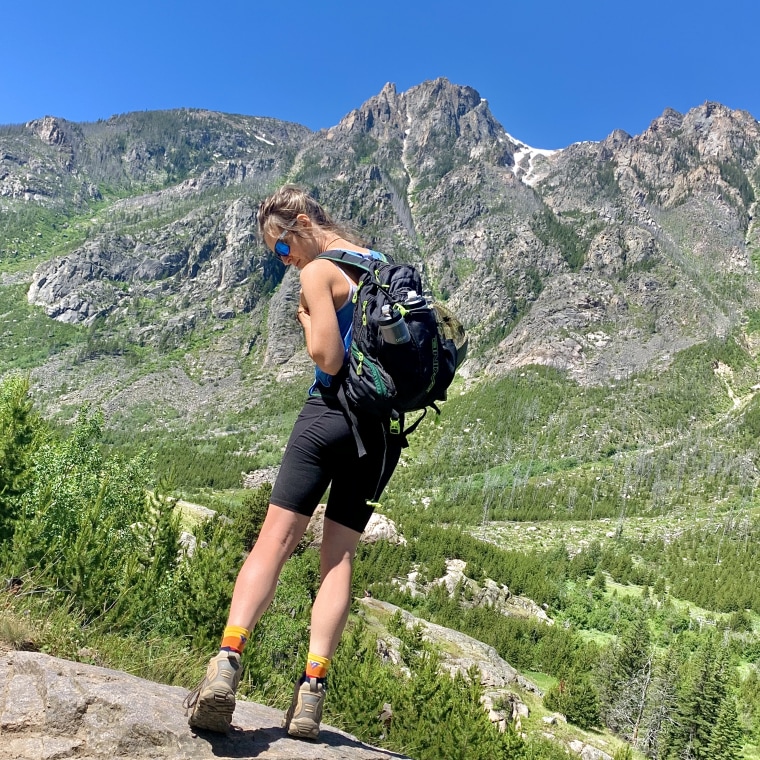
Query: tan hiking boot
(305, 712)
(212, 703)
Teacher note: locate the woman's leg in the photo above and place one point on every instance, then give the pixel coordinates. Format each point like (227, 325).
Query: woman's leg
(257, 580)
(330, 610)
(328, 618)
(212, 704)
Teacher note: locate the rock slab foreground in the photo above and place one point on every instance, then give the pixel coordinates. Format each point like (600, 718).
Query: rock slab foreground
(52, 709)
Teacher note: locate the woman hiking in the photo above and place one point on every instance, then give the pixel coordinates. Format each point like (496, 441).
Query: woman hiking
(321, 452)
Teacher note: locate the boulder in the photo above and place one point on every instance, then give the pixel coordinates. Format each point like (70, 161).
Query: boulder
(379, 528)
(587, 751)
(53, 708)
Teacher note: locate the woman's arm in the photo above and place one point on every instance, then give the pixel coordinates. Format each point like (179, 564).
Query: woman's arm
(316, 313)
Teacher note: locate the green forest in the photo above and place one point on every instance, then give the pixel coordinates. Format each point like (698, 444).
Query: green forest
(628, 513)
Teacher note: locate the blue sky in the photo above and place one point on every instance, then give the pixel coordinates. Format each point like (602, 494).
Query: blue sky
(553, 72)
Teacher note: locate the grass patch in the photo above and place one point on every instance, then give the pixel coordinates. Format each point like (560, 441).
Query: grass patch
(36, 622)
(15, 631)
(30, 234)
(542, 680)
(28, 337)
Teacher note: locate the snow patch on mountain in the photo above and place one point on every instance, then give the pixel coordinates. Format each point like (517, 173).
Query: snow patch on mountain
(530, 164)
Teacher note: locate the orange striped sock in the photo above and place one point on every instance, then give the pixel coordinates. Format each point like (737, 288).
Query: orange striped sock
(235, 638)
(316, 666)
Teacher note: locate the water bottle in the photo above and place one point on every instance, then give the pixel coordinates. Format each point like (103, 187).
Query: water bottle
(414, 301)
(392, 327)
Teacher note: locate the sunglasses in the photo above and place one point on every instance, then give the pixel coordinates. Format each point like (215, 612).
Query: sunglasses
(281, 248)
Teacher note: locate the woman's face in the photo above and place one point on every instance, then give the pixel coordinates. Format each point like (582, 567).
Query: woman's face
(292, 248)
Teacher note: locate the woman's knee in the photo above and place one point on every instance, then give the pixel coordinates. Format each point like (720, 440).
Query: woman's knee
(282, 530)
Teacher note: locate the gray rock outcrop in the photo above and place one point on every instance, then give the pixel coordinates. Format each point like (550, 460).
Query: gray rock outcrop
(487, 593)
(52, 708)
(379, 528)
(258, 478)
(459, 653)
(587, 751)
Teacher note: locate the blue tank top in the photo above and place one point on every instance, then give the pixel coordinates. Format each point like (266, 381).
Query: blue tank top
(323, 381)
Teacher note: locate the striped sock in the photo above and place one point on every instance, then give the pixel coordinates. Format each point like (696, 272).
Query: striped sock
(316, 666)
(235, 638)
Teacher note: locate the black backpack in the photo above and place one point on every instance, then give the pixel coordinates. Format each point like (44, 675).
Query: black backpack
(386, 378)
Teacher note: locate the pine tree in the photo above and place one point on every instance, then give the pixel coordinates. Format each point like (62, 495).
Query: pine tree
(205, 583)
(20, 430)
(150, 580)
(726, 737)
(701, 691)
(661, 704)
(625, 679)
(438, 716)
(635, 648)
(249, 516)
(360, 685)
(749, 703)
(576, 699)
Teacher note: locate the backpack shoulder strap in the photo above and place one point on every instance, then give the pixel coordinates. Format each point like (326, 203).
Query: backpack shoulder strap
(354, 259)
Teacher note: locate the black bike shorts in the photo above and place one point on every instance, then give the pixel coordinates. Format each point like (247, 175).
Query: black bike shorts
(322, 452)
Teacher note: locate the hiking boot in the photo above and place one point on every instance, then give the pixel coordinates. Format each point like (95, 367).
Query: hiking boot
(305, 711)
(212, 703)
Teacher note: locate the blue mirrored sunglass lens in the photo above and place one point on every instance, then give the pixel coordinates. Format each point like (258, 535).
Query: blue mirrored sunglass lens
(281, 248)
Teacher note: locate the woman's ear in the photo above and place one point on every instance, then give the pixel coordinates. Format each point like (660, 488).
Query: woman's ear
(303, 220)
